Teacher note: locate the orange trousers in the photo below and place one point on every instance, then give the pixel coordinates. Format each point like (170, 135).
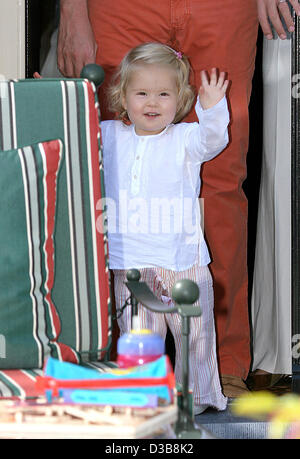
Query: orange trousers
(212, 33)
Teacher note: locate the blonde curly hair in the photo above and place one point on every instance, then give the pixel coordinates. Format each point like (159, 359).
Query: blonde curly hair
(152, 53)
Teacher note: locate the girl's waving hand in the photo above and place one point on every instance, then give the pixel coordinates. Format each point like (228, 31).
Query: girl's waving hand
(212, 89)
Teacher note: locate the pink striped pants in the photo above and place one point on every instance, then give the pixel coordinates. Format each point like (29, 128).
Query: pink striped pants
(204, 375)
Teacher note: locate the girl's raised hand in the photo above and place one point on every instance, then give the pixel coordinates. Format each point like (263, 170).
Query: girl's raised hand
(212, 89)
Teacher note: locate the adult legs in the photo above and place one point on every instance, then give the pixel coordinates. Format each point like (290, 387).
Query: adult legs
(227, 40)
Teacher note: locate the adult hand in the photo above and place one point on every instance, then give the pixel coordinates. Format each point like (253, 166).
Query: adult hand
(76, 44)
(274, 12)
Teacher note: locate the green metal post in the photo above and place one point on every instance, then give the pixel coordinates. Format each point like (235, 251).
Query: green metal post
(185, 362)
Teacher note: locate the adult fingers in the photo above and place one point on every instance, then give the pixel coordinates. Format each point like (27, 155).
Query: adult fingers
(274, 17)
(284, 10)
(64, 59)
(295, 4)
(71, 64)
(268, 13)
(76, 47)
(263, 18)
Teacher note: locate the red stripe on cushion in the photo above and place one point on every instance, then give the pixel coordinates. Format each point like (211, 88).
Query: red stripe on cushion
(53, 152)
(53, 155)
(67, 354)
(22, 381)
(103, 279)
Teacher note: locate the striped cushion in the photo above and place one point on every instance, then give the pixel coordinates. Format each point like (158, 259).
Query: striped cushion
(21, 383)
(31, 110)
(28, 182)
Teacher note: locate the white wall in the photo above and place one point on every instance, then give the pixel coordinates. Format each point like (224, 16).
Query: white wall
(12, 38)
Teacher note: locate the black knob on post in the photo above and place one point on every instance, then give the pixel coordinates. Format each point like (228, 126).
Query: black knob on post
(133, 275)
(185, 291)
(94, 73)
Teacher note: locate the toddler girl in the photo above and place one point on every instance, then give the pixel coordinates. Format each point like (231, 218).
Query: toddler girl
(152, 179)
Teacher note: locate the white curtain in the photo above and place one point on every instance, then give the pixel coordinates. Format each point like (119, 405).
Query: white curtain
(271, 295)
(12, 38)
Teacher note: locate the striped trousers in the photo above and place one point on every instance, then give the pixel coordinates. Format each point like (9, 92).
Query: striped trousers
(204, 375)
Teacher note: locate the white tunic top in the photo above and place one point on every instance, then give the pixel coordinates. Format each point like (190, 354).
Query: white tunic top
(152, 184)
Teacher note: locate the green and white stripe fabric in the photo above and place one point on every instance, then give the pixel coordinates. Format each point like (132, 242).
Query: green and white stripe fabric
(32, 110)
(28, 182)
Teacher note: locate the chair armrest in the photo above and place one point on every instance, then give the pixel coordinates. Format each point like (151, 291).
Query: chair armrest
(144, 295)
(184, 294)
